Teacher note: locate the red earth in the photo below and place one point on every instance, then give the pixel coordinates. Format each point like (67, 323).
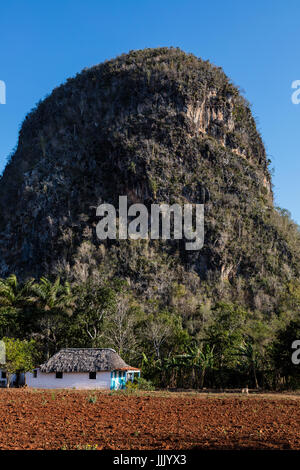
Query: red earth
(60, 419)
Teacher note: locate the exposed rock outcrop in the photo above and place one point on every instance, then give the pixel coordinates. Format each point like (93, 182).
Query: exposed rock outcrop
(155, 125)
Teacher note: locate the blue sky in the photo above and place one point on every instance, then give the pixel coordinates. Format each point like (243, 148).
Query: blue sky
(256, 43)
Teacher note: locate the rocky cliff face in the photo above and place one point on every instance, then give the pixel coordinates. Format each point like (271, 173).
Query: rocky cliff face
(159, 126)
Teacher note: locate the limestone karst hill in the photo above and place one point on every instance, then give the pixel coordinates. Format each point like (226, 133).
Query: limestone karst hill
(157, 125)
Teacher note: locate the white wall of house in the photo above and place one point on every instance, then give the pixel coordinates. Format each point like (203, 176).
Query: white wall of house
(12, 379)
(79, 380)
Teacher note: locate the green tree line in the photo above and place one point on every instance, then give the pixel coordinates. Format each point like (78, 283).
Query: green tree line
(213, 346)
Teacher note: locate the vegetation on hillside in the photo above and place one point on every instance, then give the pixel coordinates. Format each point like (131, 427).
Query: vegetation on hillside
(159, 126)
(221, 345)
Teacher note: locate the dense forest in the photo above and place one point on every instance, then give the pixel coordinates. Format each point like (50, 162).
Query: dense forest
(160, 126)
(186, 345)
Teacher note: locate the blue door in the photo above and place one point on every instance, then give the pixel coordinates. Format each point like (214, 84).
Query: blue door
(117, 380)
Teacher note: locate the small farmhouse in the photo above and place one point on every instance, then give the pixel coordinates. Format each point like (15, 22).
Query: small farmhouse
(83, 368)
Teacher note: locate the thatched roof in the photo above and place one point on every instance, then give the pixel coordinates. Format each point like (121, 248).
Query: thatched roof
(85, 360)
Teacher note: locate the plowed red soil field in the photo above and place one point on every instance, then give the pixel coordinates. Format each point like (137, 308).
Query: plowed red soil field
(81, 419)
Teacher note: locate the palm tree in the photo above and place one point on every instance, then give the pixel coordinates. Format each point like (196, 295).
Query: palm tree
(173, 367)
(249, 353)
(53, 300)
(13, 298)
(200, 359)
(196, 359)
